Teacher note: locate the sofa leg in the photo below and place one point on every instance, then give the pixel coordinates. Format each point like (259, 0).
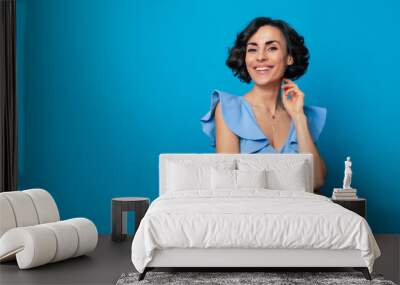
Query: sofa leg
(143, 274)
(364, 271)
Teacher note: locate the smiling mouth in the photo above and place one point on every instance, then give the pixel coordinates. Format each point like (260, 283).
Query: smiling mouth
(263, 69)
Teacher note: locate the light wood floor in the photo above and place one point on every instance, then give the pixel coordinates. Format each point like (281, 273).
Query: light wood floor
(111, 259)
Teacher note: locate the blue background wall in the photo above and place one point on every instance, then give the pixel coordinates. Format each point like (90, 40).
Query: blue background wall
(104, 87)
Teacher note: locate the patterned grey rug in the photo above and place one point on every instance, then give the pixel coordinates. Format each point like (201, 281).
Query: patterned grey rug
(229, 278)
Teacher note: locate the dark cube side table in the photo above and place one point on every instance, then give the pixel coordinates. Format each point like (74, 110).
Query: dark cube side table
(119, 208)
(356, 205)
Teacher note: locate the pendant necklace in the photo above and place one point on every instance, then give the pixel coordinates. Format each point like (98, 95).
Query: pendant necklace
(274, 117)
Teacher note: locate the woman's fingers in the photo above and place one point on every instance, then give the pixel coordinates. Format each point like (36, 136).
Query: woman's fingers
(293, 91)
(293, 97)
(288, 83)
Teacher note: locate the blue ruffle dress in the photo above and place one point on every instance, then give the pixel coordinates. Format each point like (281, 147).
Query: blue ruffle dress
(240, 119)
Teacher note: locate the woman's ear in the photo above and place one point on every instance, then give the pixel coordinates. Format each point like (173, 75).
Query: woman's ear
(290, 60)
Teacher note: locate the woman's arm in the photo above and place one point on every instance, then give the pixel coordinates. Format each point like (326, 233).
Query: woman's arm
(294, 107)
(226, 141)
(306, 145)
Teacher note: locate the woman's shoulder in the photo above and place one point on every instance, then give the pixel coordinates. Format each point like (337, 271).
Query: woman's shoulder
(235, 114)
(226, 97)
(312, 109)
(315, 113)
(316, 118)
(231, 106)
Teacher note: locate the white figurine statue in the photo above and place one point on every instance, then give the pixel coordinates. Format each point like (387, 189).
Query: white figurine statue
(347, 174)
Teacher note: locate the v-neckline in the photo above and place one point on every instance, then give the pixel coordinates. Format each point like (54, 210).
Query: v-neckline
(261, 130)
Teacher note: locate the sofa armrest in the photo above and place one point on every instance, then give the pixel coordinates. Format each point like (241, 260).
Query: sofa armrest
(40, 244)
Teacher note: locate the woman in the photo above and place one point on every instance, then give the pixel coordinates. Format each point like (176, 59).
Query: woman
(271, 117)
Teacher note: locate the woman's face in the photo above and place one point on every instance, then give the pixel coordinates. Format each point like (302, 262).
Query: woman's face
(266, 55)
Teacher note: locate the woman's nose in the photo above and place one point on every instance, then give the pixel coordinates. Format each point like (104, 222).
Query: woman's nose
(261, 55)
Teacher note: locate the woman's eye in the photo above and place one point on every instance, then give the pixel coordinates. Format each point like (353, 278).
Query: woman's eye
(272, 48)
(251, 50)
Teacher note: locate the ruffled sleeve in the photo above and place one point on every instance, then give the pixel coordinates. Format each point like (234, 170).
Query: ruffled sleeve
(235, 114)
(316, 117)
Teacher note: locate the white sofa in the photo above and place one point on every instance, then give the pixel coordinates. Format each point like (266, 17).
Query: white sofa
(31, 231)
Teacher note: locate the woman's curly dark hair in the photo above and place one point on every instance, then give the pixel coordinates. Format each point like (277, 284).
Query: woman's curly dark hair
(295, 48)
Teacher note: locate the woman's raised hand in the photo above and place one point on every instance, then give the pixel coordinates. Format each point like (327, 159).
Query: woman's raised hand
(292, 98)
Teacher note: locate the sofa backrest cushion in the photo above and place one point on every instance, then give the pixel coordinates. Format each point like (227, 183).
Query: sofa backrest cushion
(26, 208)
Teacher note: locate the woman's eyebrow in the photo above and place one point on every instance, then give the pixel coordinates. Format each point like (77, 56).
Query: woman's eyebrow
(267, 43)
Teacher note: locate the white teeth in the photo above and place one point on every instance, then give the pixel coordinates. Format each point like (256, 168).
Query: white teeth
(263, 68)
